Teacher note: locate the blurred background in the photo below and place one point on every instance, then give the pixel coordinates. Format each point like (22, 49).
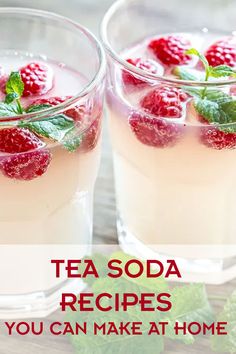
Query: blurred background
(87, 12)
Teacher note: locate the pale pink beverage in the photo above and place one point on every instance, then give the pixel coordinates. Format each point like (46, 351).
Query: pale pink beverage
(172, 126)
(50, 137)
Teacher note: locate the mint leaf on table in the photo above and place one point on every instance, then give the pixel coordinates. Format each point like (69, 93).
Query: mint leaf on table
(14, 90)
(190, 304)
(154, 284)
(52, 127)
(210, 110)
(226, 343)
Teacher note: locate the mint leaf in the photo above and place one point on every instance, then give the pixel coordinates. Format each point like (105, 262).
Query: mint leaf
(170, 333)
(227, 343)
(73, 143)
(14, 90)
(154, 284)
(222, 71)
(15, 84)
(11, 97)
(53, 127)
(190, 304)
(218, 96)
(8, 110)
(186, 74)
(217, 107)
(203, 59)
(37, 108)
(210, 110)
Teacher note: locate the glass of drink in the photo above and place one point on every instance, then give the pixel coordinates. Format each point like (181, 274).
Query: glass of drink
(52, 82)
(172, 116)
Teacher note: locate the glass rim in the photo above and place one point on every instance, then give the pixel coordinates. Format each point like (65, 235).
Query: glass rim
(99, 75)
(118, 4)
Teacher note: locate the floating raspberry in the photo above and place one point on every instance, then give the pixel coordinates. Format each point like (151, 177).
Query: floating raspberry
(222, 52)
(37, 79)
(147, 65)
(170, 50)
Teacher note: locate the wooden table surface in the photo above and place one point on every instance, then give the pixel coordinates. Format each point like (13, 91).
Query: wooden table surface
(89, 13)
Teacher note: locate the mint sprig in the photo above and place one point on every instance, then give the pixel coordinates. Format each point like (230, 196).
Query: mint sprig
(216, 106)
(59, 127)
(212, 71)
(14, 90)
(53, 127)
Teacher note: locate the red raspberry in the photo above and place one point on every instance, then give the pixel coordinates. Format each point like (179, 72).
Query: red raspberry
(171, 49)
(223, 52)
(90, 137)
(147, 65)
(37, 78)
(23, 164)
(154, 132)
(217, 139)
(26, 166)
(17, 140)
(165, 102)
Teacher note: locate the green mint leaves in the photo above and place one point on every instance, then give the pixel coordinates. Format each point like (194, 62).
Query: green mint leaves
(216, 106)
(58, 128)
(53, 127)
(190, 303)
(222, 71)
(15, 85)
(226, 344)
(210, 71)
(186, 74)
(14, 90)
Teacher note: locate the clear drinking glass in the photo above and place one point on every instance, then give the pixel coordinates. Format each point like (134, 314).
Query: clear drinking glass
(175, 194)
(47, 190)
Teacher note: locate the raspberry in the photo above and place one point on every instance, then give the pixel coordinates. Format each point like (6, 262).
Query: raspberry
(223, 52)
(90, 137)
(23, 164)
(217, 139)
(154, 132)
(147, 65)
(165, 102)
(17, 140)
(26, 166)
(170, 50)
(37, 78)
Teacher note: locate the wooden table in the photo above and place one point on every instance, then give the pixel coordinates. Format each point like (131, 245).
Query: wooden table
(88, 13)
